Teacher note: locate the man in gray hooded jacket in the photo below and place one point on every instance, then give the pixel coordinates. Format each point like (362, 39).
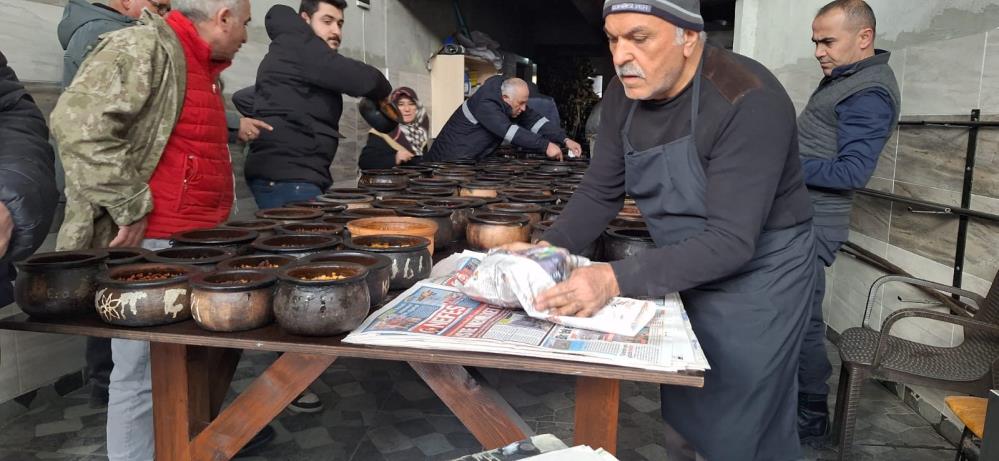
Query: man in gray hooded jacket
(83, 22)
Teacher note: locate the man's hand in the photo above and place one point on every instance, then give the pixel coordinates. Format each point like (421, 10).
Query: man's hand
(584, 294)
(403, 156)
(130, 235)
(575, 150)
(554, 151)
(6, 229)
(249, 129)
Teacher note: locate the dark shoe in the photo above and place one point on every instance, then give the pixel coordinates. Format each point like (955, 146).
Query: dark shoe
(306, 402)
(98, 397)
(813, 417)
(258, 442)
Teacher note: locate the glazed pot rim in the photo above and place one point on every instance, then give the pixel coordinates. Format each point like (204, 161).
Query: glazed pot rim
(290, 213)
(440, 182)
(263, 280)
(413, 167)
(501, 219)
(531, 207)
(262, 244)
(385, 187)
(365, 213)
(382, 171)
(622, 233)
(285, 276)
(543, 225)
(221, 255)
(80, 258)
(414, 243)
(456, 202)
(108, 278)
(418, 212)
(136, 252)
(339, 196)
(343, 190)
(387, 203)
(248, 235)
(529, 198)
(241, 224)
(228, 264)
(290, 227)
(381, 261)
(327, 207)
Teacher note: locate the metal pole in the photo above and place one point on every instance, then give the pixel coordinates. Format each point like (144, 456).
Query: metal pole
(969, 176)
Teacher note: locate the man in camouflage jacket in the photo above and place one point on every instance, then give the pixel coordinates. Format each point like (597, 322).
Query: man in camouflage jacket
(110, 154)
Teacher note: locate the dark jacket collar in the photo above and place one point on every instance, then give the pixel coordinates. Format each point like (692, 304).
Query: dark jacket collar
(880, 57)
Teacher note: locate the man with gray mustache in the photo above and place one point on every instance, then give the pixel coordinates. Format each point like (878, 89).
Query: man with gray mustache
(705, 141)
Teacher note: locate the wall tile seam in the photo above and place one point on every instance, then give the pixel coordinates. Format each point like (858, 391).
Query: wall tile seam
(981, 78)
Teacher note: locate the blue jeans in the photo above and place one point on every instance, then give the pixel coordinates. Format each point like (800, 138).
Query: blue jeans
(273, 194)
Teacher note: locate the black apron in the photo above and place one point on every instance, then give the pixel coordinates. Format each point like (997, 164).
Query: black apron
(750, 324)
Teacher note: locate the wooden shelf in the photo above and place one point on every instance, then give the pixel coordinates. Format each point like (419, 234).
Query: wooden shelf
(447, 85)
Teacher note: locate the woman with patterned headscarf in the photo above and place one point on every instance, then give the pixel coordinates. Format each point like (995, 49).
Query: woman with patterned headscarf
(405, 144)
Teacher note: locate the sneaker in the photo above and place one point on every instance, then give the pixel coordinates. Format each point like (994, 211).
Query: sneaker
(258, 441)
(307, 402)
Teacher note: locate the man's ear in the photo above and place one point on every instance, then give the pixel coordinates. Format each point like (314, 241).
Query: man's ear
(223, 16)
(690, 40)
(305, 17)
(866, 38)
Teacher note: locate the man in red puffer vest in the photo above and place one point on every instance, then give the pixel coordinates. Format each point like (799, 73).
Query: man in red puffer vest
(142, 135)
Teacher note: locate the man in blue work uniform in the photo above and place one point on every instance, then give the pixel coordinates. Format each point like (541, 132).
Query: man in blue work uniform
(841, 132)
(498, 113)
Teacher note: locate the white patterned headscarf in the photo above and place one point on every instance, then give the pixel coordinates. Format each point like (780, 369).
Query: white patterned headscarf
(415, 133)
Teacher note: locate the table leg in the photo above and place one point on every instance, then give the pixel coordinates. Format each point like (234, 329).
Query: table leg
(597, 401)
(492, 420)
(189, 384)
(172, 401)
(258, 405)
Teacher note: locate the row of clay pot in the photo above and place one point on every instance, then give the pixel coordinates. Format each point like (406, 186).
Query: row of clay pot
(223, 291)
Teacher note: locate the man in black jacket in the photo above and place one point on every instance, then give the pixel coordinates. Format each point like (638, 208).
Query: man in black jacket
(498, 113)
(28, 192)
(299, 91)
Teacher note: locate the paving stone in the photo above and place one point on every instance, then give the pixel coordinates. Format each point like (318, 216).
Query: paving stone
(389, 439)
(642, 403)
(432, 444)
(58, 427)
(312, 438)
(652, 452)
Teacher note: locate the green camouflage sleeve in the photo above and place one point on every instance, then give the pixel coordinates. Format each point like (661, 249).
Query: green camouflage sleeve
(91, 124)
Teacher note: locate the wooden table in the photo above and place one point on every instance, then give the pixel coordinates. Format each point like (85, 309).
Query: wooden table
(192, 369)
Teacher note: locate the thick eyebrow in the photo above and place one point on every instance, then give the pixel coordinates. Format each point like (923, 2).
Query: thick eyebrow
(631, 33)
(824, 40)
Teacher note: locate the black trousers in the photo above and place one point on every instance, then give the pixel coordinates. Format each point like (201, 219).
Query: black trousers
(99, 364)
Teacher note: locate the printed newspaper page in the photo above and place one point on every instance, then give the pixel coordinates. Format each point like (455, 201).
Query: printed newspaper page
(432, 316)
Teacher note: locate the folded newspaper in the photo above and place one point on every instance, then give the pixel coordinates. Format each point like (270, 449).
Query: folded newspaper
(435, 314)
(513, 279)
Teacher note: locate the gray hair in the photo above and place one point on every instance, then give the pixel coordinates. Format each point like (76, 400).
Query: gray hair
(204, 10)
(702, 36)
(510, 86)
